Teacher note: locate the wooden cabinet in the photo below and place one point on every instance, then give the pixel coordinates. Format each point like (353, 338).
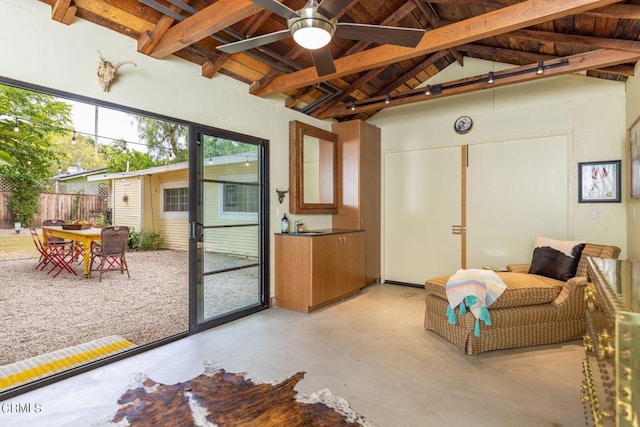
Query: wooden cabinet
(316, 270)
(611, 367)
(359, 165)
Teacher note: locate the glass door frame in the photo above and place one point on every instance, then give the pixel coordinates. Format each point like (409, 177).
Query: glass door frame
(196, 229)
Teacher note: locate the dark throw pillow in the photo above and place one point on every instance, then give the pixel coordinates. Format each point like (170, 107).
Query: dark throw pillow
(557, 259)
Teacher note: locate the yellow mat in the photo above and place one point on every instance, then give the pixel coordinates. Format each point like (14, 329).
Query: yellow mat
(46, 364)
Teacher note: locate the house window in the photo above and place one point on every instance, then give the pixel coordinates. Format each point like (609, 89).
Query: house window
(240, 198)
(174, 200)
(239, 201)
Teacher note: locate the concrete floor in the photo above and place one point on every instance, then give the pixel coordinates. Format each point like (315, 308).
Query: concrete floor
(370, 349)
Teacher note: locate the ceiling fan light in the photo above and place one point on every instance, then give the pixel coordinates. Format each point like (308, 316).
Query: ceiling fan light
(312, 38)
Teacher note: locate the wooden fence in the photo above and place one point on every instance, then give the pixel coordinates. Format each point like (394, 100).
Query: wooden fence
(56, 206)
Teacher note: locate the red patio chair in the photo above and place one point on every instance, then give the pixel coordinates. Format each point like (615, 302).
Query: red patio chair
(110, 252)
(59, 256)
(68, 244)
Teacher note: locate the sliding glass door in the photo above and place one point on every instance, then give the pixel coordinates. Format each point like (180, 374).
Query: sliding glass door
(228, 227)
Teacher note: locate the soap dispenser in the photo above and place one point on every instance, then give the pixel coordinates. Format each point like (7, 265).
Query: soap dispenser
(284, 224)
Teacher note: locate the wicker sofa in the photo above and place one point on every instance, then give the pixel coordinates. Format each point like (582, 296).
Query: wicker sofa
(533, 310)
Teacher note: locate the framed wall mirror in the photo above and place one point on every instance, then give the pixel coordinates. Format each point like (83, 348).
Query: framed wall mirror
(313, 172)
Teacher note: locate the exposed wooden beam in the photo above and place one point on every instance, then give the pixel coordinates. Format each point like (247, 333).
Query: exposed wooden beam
(414, 71)
(114, 14)
(510, 18)
(622, 70)
(63, 11)
(150, 39)
(435, 22)
(597, 59)
(209, 20)
(576, 40)
(616, 11)
(508, 56)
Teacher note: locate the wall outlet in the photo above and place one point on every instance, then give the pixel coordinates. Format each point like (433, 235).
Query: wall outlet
(594, 213)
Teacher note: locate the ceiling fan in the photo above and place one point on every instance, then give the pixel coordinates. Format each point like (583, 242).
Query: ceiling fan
(313, 26)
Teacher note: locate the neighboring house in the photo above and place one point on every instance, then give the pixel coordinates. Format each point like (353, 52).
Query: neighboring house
(77, 182)
(157, 199)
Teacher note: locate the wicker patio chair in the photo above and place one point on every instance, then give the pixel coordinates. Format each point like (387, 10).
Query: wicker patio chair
(109, 254)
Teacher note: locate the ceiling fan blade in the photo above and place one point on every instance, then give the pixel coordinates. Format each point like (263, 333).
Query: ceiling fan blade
(241, 45)
(277, 8)
(330, 8)
(409, 37)
(323, 60)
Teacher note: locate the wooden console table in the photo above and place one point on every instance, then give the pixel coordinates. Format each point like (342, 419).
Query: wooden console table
(611, 385)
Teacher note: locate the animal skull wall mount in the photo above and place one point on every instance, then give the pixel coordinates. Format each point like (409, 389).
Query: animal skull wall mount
(107, 72)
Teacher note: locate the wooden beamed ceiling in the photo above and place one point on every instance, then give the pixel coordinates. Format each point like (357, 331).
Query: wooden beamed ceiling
(596, 37)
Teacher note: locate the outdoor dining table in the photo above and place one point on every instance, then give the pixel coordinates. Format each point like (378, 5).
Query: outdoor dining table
(85, 237)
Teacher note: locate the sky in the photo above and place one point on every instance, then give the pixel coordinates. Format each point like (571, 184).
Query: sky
(112, 124)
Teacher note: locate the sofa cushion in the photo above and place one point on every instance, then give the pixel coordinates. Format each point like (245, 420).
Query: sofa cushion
(522, 289)
(557, 259)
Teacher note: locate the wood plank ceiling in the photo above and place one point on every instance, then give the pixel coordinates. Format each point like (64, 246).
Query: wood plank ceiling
(598, 38)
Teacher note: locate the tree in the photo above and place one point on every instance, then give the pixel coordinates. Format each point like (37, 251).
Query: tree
(163, 137)
(80, 152)
(26, 153)
(119, 159)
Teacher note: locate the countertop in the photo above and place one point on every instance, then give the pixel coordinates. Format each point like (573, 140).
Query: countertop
(321, 232)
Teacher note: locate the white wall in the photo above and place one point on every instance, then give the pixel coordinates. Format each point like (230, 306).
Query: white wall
(589, 112)
(40, 51)
(633, 205)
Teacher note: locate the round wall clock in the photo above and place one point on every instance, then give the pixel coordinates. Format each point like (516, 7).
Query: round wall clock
(463, 124)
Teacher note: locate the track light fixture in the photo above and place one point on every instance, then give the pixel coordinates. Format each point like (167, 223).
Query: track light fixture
(246, 163)
(16, 128)
(439, 88)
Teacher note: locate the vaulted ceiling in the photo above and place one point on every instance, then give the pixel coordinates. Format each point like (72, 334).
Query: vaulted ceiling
(598, 38)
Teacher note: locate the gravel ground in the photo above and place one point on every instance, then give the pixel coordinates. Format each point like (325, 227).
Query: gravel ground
(39, 313)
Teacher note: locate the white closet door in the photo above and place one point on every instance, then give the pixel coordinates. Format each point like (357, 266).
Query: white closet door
(515, 191)
(422, 202)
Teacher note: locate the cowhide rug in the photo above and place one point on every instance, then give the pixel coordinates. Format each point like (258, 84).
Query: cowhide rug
(220, 398)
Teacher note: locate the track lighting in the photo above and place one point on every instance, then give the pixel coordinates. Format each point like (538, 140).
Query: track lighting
(353, 106)
(16, 128)
(387, 99)
(490, 80)
(428, 90)
(540, 69)
(247, 162)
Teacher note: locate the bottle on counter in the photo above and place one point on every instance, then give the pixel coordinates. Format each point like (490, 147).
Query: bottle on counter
(284, 224)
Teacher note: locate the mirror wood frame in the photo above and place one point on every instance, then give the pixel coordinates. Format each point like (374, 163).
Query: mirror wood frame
(297, 205)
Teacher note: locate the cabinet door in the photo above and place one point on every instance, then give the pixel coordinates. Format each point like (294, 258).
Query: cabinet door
(326, 275)
(352, 261)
